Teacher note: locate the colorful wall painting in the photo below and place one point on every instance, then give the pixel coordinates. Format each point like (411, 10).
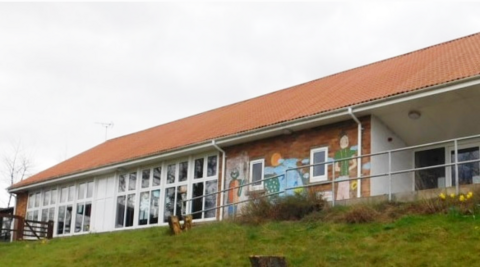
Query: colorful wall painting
(286, 179)
(236, 170)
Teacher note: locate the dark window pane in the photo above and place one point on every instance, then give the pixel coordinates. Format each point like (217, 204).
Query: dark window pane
(60, 220)
(156, 176)
(154, 208)
(68, 219)
(210, 198)
(319, 157)
(79, 218)
(427, 179)
(183, 171)
(121, 183)
(132, 183)
(130, 210)
(144, 208)
(181, 204)
(86, 220)
(145, 178)
(466, 171)
(197, 204)
(169, 203)
(120, 211)
(198, 168)
(171, 174)
(257, 173)
(212, 166)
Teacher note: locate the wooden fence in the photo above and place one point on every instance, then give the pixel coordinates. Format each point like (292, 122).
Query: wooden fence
(20, 229)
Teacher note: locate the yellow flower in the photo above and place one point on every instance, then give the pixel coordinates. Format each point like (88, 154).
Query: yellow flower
(469, 195)
(442, 196)
(353, 185)
(452, 195)
(461, 198)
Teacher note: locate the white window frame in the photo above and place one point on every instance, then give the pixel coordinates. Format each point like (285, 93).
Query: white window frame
(318, 178)
(250, 175)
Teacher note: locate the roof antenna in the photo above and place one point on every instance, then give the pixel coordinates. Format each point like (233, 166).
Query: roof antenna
(106, 125)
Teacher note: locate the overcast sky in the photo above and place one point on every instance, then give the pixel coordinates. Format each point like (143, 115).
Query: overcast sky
(66, 67)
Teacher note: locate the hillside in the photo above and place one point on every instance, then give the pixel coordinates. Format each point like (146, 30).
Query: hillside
(413, 240)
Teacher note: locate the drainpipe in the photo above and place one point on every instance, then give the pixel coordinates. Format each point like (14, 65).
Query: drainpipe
(359, 154)
(223, 181)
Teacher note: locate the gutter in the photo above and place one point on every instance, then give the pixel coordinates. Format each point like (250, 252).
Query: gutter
(223, 178)
(359, 153)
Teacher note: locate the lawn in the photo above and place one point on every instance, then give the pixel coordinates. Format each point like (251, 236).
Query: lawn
(412, 240)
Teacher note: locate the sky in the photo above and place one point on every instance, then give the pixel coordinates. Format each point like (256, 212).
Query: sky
(69, 69)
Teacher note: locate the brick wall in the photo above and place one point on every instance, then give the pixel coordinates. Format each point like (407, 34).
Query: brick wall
(21, 206)
(299, 144)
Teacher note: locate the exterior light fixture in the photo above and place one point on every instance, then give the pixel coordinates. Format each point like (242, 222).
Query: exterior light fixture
(414, 114)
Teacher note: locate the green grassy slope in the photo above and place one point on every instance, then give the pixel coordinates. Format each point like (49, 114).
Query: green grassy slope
(433, 240)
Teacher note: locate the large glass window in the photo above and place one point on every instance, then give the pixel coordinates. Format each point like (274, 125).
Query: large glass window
(468, 170)
(65, 210)
(126, 200)
(84, 207)
(430, 178)
(204, 188)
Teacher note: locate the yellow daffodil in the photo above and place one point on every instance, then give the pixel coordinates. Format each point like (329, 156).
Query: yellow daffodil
(452, 195)
(469, 195)
(442, 196)
(461, 198)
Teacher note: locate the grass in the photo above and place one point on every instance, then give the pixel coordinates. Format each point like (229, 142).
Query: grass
(417, 240)
(425, 233)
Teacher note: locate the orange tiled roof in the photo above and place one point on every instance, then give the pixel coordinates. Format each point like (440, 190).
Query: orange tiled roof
(443, 63)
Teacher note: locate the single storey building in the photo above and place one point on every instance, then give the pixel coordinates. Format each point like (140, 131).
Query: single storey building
(373, 130)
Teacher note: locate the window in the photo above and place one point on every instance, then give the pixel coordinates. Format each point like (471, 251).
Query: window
(149, 200)
(126, 200)
(430, 178)
(466, 171)
(318, 172)
(64, 218)
(256, 174)
(84, 207)
(177, 190)
(204, 188)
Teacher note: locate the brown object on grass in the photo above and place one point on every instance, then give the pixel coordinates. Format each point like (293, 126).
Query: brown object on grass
(268, 261)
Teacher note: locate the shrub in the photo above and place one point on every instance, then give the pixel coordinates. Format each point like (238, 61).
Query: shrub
(280, 208)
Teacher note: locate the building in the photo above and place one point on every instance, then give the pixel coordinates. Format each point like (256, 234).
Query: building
(418, 109)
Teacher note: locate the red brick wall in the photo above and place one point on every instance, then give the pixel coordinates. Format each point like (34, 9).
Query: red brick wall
(299, 144)
(21, 206)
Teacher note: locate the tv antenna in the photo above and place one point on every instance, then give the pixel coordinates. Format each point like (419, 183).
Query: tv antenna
(106, 125)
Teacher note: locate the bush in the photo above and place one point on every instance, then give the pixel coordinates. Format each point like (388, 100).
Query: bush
(280, 208)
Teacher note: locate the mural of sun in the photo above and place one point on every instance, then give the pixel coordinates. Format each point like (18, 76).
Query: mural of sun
(275, 159)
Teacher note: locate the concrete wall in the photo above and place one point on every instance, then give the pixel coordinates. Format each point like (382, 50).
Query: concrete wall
(384, 139)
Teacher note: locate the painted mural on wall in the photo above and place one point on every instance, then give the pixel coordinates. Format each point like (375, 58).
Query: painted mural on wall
(236, 170)
(286, 177)
(293, 178)
(345, 189)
